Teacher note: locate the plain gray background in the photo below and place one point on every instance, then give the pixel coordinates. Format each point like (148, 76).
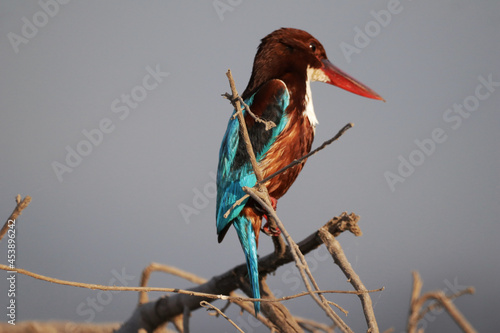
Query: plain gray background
(120, 207)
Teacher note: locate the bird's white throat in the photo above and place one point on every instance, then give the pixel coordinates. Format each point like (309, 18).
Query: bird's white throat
(312, 74)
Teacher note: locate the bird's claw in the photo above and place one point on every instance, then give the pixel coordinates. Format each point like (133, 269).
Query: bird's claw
(268, 230)
(274, 202)
(260, 209)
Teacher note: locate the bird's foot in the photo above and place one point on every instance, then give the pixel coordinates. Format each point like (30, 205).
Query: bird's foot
(260, 209)
(273, 232)
(267, 229)
(274, 202)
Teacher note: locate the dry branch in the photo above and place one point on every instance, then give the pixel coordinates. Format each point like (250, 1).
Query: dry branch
(340, 259)
(17, 211)
(301, 264)
(152, 314)
(237, 275)
(179, 320)
(417, 301)
(236, 101)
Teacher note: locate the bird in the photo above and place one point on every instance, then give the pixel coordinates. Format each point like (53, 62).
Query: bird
(286, 62)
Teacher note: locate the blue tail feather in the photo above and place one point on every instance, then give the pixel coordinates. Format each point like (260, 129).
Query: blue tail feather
(246, 235)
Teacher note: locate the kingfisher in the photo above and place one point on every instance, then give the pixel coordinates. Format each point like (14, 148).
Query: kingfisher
(286, 62)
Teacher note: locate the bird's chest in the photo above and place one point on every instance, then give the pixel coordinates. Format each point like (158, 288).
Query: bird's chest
(294, 142)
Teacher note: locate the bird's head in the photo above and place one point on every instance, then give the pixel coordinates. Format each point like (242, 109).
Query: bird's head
(289, 52)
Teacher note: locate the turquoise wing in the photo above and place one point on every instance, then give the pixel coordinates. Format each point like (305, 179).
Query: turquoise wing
(234, 169)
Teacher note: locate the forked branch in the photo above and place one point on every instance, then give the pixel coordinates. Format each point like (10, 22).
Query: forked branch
(417, 301)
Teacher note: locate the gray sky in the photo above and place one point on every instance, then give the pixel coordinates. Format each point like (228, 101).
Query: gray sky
(134, 89)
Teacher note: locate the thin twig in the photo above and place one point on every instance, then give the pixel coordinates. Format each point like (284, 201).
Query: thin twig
(156, 267)
(293, 163)
(170, 290)
(243, 126)
(350, 292)
(469, 290)
(267, 123)
(209, 306)
(301, 264)
(311, 153)
(15, 214)
(344, 311)
(255, 165)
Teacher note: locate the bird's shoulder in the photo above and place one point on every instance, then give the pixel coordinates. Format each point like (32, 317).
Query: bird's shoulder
(272, 94)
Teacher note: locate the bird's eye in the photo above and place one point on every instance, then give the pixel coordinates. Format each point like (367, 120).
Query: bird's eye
(312, 46)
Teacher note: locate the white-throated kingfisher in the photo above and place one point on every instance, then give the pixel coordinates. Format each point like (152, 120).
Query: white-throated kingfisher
(286, 63)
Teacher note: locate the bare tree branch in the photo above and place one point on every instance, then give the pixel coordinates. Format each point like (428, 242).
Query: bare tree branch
(248, 145)
(417, 301)
(180, 320)
(154, 313)
(301, 264)
(340, 259)
(151, 315)
(152, 320)
(15, 214)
